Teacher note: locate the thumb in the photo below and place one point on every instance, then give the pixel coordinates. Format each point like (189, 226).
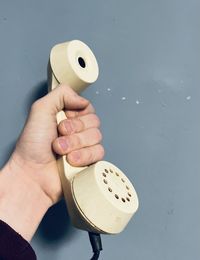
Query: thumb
(63, 97)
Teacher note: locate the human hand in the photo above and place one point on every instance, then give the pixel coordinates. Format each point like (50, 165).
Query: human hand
(79, 138)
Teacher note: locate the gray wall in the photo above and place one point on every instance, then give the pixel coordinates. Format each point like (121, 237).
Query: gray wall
(147, 97)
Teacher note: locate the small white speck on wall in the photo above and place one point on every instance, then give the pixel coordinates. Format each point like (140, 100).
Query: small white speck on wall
(97, 92)
(109, 89)
(123, 98)
(188, 97)
(137, 102)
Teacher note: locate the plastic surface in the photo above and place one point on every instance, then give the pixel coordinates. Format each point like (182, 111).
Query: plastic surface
(74, 63)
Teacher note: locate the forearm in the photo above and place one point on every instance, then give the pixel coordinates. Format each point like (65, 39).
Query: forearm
(22, 202)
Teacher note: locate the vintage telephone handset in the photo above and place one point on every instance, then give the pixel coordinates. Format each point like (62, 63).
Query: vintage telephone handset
(100, 198)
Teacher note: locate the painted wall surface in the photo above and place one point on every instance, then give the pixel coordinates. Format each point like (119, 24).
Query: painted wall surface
(147, 97)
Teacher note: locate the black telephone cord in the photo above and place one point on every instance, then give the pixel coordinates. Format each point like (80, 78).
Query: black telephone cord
(95, 240)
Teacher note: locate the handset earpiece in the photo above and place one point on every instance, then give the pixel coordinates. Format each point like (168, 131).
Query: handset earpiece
(100, 198)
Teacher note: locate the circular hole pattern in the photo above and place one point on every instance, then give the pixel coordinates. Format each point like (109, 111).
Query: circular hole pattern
(104, 175)
(116, 196)
(105, 181)
(81, 62)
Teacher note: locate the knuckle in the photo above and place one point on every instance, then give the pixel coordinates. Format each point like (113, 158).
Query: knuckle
(98, 135)
(37, 104)
(101, 151)
(68, 126)
(95, 119)
(78, 124)
(90, 156)
(77, 141)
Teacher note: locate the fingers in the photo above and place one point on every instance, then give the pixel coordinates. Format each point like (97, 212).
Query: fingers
(62, 97)
(66, 144)
(80, 136)
(86, 156)
(78, 124)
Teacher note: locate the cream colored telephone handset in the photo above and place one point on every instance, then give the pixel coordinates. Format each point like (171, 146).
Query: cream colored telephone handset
(100, 198)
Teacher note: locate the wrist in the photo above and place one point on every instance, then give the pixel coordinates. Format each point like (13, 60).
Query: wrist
(22, 202)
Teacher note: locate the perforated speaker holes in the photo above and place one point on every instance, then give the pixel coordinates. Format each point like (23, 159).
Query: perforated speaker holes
(105, 177)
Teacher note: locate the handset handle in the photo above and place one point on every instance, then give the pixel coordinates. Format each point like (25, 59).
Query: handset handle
(64, 167)
(71, 63)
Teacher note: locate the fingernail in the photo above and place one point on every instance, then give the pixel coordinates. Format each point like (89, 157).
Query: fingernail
(63, 143)
(76, 156)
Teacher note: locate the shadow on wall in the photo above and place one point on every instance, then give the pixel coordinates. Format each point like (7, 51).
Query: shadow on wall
(38, 91)
(55, 225)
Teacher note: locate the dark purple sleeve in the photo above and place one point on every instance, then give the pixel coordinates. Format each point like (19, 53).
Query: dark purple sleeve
(14, 246)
